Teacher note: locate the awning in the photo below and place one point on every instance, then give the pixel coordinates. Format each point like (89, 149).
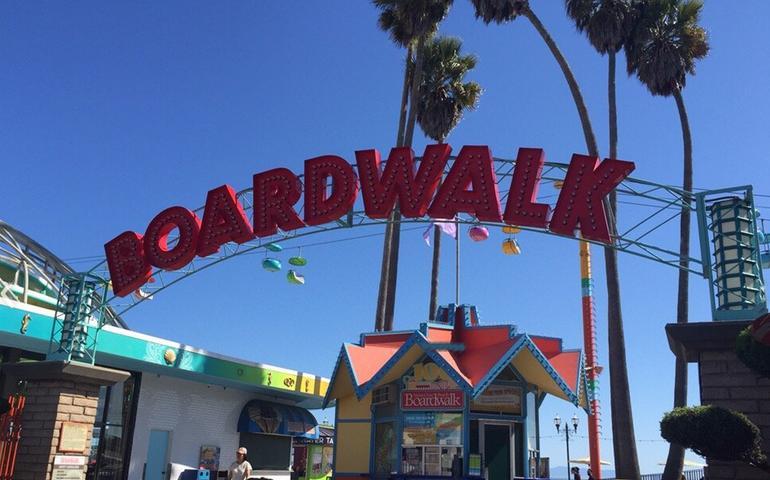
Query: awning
(261, 416)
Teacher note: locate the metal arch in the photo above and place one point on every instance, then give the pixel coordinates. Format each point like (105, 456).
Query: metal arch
(650, 206)
(32, 262)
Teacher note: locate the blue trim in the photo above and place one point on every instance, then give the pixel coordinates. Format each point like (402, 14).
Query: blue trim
(417, 339)
(525, 439)
(336, 441)
(399, 436)
(495, 416)
(551, 371)
(372, 425)
(349, 364)
(327, 397)
(498, 367)
(362, 337)
(520, 375)
(466, 432)
(512, 329)
(364, 389)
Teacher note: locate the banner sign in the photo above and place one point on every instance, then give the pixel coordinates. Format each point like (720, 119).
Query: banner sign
(432, 400)
(499, 399)
(470, 187)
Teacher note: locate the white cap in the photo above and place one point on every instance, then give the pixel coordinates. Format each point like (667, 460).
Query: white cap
(242, 450)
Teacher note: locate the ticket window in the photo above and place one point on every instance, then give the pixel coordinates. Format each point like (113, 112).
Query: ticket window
(430, 442)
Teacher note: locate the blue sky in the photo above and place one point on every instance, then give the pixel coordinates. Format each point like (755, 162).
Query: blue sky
(113, 111)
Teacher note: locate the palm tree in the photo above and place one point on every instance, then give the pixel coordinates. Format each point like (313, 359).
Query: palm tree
(661, 52)
(607, 24)
(408, 22)
(442, 100)
(626, 462)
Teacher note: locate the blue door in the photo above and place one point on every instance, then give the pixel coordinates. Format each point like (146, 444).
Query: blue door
(157, 455)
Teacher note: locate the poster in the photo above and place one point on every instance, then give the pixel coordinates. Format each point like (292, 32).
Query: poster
(449, 428)
(209, 458)
(430, 428)
(474, 464)
(499, 399)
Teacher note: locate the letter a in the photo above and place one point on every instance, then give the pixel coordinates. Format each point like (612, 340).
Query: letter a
(223, 221)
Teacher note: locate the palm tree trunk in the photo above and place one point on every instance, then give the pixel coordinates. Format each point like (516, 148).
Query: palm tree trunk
(613, 128)
(675, 460)
(390, 298)
(435, 267)
(623, 438)
(379, 321)
(434, 274)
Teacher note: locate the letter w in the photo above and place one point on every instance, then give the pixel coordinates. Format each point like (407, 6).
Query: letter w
(414, 192)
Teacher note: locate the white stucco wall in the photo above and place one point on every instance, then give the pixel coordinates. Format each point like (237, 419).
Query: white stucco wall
(195, 414)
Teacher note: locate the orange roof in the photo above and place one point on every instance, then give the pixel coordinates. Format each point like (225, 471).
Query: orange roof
(470, 353)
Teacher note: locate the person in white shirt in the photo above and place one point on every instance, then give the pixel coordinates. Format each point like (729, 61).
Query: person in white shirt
(240, 468)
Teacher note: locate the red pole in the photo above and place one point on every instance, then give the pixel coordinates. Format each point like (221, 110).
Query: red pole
(589, 344)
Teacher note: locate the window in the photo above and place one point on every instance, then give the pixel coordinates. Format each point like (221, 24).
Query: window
(385, 448)
(382, 395)
(113, 428)
(267, 452)
(430, 443)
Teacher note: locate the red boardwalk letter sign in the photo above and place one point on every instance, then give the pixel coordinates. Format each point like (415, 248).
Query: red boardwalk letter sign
(223, 221)
(156, 238)
(581, 199)
(521, 208)
(414, 191)
(275, 193)
(473, 168)
(129, 269)
(318, 208)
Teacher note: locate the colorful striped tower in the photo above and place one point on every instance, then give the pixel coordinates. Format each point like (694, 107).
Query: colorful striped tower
(589, 340)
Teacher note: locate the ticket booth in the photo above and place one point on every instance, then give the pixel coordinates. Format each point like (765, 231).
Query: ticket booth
(451, 397)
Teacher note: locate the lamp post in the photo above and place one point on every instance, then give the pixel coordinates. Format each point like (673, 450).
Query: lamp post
(557, 424)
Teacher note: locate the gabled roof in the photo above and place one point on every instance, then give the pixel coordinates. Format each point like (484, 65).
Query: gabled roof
(471, 354)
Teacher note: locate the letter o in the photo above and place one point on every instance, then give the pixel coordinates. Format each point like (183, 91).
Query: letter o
(156, 238)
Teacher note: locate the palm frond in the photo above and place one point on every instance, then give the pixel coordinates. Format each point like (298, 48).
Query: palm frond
(444, 95)
(499, 11)
(665, 44)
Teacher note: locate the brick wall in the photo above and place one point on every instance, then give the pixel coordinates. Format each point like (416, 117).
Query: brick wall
(50, 403)
(726, 382)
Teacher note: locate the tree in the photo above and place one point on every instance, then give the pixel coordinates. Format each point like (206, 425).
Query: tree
(716, 433)
(662, 51)
(626, 462)
(607, 24)
(409, 23)
(443, 99)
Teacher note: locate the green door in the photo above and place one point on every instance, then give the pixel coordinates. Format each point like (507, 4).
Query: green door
(497, 452)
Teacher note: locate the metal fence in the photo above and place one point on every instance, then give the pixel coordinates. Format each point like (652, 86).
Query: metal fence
(696, 474)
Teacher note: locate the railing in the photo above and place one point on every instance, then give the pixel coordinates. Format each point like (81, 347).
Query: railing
(10, 434)
(696, 474)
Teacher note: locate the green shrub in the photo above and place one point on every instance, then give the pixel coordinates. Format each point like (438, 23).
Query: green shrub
(753, 354)
(714, 432)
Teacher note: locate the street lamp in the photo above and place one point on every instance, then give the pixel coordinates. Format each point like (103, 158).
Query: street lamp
(557, 424)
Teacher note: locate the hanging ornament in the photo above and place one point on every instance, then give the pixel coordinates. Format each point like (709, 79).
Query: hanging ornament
(478, 233)
(274, 247)
(295, 278)
(511, 247)
(271, 264)
(298, 260)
